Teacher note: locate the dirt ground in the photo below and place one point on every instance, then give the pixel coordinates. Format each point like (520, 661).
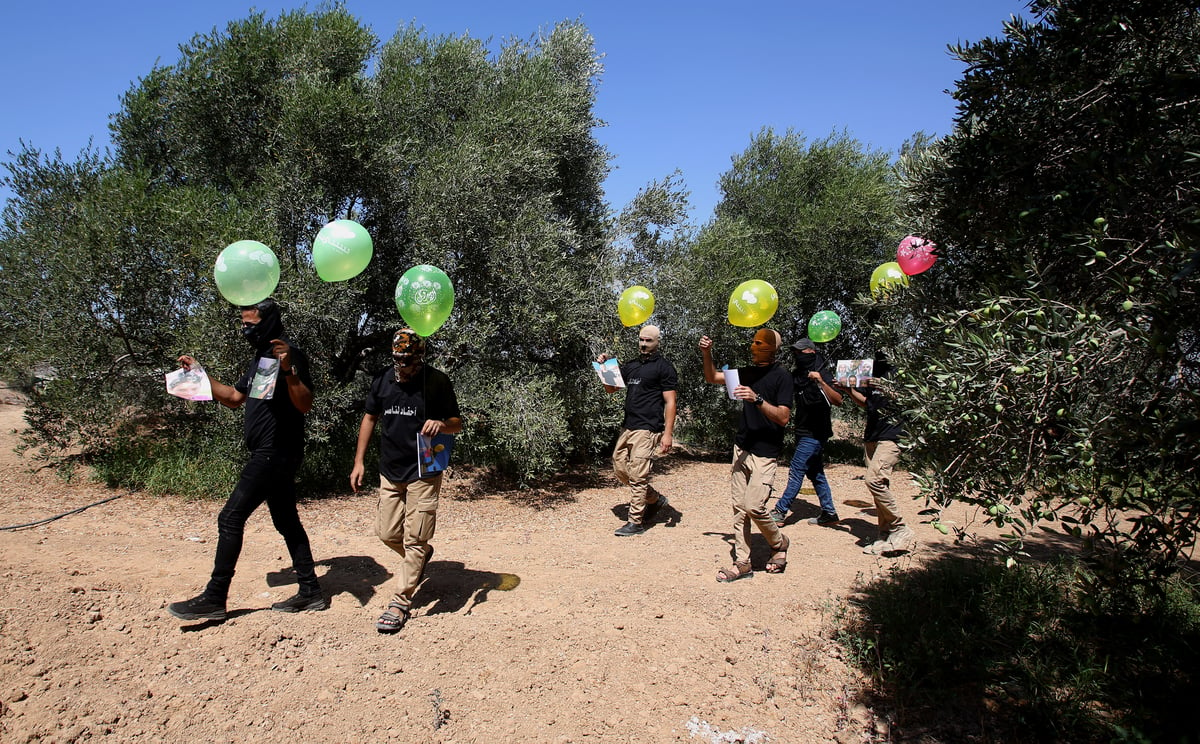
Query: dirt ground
(534, 623)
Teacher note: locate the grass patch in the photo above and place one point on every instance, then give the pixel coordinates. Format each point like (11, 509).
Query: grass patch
(968, 650)
(194, 469)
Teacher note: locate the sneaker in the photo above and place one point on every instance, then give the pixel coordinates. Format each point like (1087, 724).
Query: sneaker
(826, 519)
(901, 539)
(630, 528)
(652, 510)
(778, 517)
(301, 602)
(198, 608)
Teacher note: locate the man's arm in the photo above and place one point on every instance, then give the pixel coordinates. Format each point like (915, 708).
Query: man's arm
(301, 395)
(433, 427)
(711, 373)
(776, 414)
(831, 393)
(668, 437)
(226, 395)
(859, 399)
(365, 430)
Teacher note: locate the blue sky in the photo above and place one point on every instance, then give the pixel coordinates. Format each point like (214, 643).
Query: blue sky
(686, 84)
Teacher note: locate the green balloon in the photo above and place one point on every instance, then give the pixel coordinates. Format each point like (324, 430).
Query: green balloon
(341, 250)
(246, 272)
(824, 326)
(424, 297)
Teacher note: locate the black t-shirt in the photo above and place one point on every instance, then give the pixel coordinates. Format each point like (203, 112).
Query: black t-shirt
(403, 408)
(274, 425)
(645, 382)
(757, 434)
(881, 418)
(812, 414)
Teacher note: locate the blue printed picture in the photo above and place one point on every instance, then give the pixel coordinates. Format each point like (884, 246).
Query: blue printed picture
(433, 455)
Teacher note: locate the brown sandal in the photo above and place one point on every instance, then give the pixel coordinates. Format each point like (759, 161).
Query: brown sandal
(739, 571)
(778, 562)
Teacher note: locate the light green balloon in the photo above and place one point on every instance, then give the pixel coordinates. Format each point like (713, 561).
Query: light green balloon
(246, 272)
(424, 297)
(824, 326)
(341, 250)
(887, 277)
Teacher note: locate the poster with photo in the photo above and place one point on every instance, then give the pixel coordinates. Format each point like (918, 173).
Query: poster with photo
(263, 386)
(855, 372)
(189, 384)
(609, 372)
(731, 381)
(433, 455)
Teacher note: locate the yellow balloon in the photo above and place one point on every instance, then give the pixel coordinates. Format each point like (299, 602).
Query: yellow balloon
(752, 303)
(886, 278)
(635, 306)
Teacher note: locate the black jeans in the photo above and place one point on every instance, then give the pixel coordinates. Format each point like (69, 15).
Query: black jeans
(268, 477)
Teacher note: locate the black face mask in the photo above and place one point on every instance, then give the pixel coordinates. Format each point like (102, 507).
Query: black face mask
(807, 362)
(267, 329)
(250, 332)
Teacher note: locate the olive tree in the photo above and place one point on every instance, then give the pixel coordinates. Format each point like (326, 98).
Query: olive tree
(1054, 378)
(483, 164)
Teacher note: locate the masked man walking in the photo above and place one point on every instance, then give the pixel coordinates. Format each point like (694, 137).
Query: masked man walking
(277, 390)
(407, 399)
(647, 429)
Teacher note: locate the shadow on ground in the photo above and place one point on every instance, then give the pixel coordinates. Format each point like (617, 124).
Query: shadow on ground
(356, 575)
(449, 586)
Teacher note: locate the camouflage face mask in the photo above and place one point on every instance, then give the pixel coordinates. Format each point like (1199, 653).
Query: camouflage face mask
(408, 353)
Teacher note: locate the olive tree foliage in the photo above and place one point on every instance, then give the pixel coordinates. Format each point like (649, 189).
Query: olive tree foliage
(1055, 379)
(483, 164)
(813, 220)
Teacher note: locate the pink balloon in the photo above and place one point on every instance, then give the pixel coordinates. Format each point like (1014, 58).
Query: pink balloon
(915, 255)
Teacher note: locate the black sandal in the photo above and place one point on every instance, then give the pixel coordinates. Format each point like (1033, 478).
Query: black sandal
(393, 619)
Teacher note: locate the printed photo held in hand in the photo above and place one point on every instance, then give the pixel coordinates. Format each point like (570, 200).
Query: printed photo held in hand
(433, 453)
(854, 372)
(265, 377)
(609, 372)
(189, 384)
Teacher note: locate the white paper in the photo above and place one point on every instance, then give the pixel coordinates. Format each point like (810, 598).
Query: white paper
(731, 381)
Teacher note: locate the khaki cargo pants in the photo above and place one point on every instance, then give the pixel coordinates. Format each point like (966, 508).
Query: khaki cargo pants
(405, 522)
